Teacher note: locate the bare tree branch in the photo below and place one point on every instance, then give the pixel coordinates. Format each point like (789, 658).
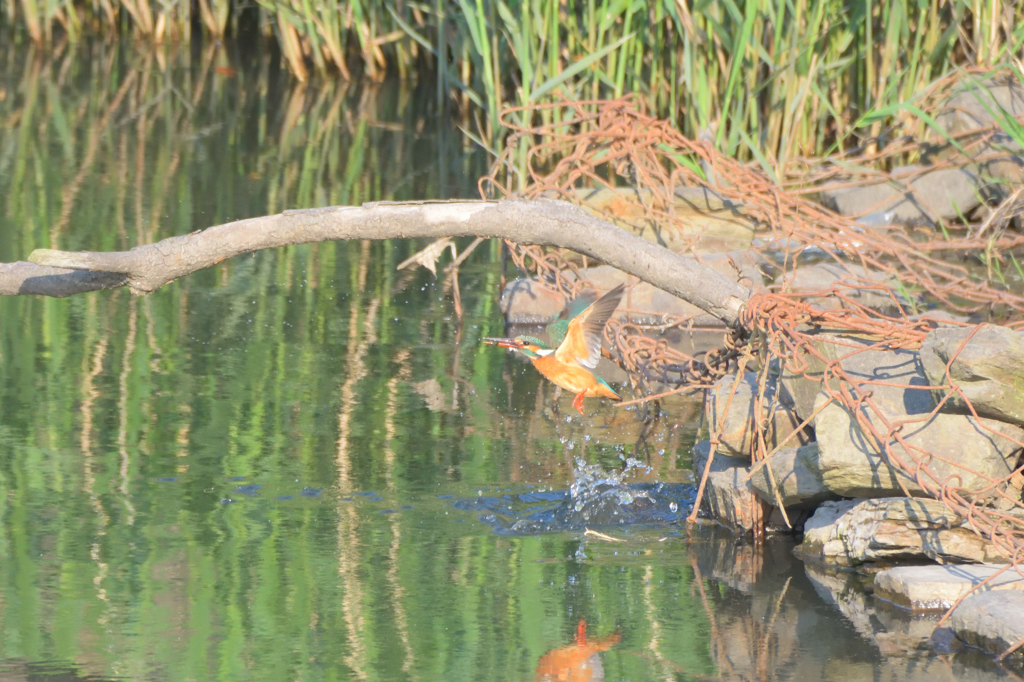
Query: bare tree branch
(145, 269)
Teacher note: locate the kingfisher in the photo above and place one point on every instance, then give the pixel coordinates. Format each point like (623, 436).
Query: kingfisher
(576, 335)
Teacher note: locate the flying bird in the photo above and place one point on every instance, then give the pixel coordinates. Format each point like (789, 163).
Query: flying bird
(576, 337)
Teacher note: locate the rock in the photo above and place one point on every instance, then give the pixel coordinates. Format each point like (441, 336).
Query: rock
(527, 301)
(978, 450)
(971, 106)
(858, 359)
(988, 369)
(801, 386)
(726, 497)
(853, 532)
(923, 588)
(991, 621)
(797, 478)
(736, 417)
(923, 194)
(914, 195)
(845, 278)
(729, 498)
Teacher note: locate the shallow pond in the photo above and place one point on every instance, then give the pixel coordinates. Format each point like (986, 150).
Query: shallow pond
(300, 465)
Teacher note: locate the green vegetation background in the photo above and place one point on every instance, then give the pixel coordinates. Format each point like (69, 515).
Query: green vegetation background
(771, 79)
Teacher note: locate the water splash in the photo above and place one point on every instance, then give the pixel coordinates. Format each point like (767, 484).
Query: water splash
(592, 482)
(596, 499)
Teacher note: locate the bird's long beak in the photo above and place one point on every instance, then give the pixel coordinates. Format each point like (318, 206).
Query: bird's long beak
(503, 343)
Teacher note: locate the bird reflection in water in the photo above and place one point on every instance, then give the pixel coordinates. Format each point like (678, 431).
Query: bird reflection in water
(578, 662)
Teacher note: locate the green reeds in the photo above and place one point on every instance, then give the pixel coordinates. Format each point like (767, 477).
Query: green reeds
(773, 79)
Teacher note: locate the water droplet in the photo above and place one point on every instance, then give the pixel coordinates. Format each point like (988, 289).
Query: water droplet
(673, 507)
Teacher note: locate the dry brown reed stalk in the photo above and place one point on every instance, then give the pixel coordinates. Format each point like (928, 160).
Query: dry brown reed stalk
(619, 145)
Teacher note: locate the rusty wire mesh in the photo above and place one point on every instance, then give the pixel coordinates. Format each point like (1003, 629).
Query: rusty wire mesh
(927, 276)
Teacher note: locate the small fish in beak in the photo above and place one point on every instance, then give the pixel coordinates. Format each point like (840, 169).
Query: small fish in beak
(502, 343)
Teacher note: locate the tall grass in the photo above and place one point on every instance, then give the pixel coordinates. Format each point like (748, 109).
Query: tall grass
(768, 78)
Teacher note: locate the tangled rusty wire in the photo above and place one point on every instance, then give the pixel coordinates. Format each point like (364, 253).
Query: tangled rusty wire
(615, 144)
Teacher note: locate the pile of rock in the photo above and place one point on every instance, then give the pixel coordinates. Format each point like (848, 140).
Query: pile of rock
(831, 465)
(835, 484)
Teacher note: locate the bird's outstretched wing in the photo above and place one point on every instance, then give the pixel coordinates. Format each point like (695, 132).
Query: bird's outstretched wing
(582, 341)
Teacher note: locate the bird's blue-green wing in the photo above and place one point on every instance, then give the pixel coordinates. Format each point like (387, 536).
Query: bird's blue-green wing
(556, 332)
(557, 329)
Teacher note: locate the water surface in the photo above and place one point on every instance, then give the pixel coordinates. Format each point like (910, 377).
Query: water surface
(292, 466)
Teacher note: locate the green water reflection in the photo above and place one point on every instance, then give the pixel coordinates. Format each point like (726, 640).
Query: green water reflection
(179, 473)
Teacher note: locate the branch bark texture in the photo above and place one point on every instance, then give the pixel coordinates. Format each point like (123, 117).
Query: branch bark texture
(146, 268)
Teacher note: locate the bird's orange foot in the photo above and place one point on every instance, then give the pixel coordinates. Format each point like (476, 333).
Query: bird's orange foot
(577, 402)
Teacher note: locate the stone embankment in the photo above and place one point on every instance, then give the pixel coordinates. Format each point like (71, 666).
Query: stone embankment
(854, 508)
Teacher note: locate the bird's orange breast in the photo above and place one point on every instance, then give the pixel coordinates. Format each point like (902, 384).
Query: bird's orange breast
(571, 377)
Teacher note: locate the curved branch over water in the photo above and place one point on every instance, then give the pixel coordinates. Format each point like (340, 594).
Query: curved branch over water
(146, 268)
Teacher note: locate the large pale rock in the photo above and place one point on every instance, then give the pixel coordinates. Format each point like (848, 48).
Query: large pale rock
(847, 279)
(979, 451)
(972, 105)
(987, 365)
(797, 476)
(992, 621)
(731, 403)
(924, 194)
(915, 195)
(853, 532)
(924, 588)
